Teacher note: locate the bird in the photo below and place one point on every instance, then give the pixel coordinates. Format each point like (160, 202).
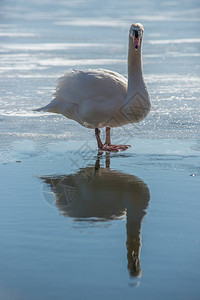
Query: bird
(98, 98)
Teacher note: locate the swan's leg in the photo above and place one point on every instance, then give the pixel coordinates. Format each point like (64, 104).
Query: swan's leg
(108, 141)
(108, 146)
(99, 142)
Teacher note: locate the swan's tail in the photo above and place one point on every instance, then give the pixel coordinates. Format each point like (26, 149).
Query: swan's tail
(51, 107)
(40, 109)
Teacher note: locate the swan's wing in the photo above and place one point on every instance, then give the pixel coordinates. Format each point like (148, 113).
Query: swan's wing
(77, 86)
(88, 96)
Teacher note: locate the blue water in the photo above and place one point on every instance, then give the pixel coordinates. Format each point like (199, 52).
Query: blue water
(77, 225)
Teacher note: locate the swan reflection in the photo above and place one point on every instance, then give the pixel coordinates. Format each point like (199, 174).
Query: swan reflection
(100, 194)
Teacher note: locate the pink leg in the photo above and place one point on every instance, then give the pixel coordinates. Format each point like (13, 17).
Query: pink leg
(107, 141)
(99, 142)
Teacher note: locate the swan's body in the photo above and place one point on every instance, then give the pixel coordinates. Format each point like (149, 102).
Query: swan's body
(102, 98)
(89, 97)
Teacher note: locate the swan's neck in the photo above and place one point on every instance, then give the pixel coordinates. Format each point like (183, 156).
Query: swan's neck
(135, 76)
(137, 102)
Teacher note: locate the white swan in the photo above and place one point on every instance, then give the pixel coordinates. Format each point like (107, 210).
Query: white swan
(102, 98)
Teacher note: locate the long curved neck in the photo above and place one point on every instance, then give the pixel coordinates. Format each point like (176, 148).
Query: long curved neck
(136, 105)
(135, 75)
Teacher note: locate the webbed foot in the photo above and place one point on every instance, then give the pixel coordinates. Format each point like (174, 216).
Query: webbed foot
(114, 148)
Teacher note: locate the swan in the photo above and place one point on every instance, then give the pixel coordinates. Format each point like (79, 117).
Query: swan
(103, 98)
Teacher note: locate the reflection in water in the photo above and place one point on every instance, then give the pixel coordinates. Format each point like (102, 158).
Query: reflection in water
(101, 194)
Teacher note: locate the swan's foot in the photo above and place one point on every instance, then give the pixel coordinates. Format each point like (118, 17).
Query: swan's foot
(114, 148)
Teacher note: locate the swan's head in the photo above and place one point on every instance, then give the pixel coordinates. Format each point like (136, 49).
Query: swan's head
(136, 32)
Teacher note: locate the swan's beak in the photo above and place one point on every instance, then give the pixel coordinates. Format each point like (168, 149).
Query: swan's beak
(136, 43)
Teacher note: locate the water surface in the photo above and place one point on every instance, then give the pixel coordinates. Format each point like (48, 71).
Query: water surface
(75, 224)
